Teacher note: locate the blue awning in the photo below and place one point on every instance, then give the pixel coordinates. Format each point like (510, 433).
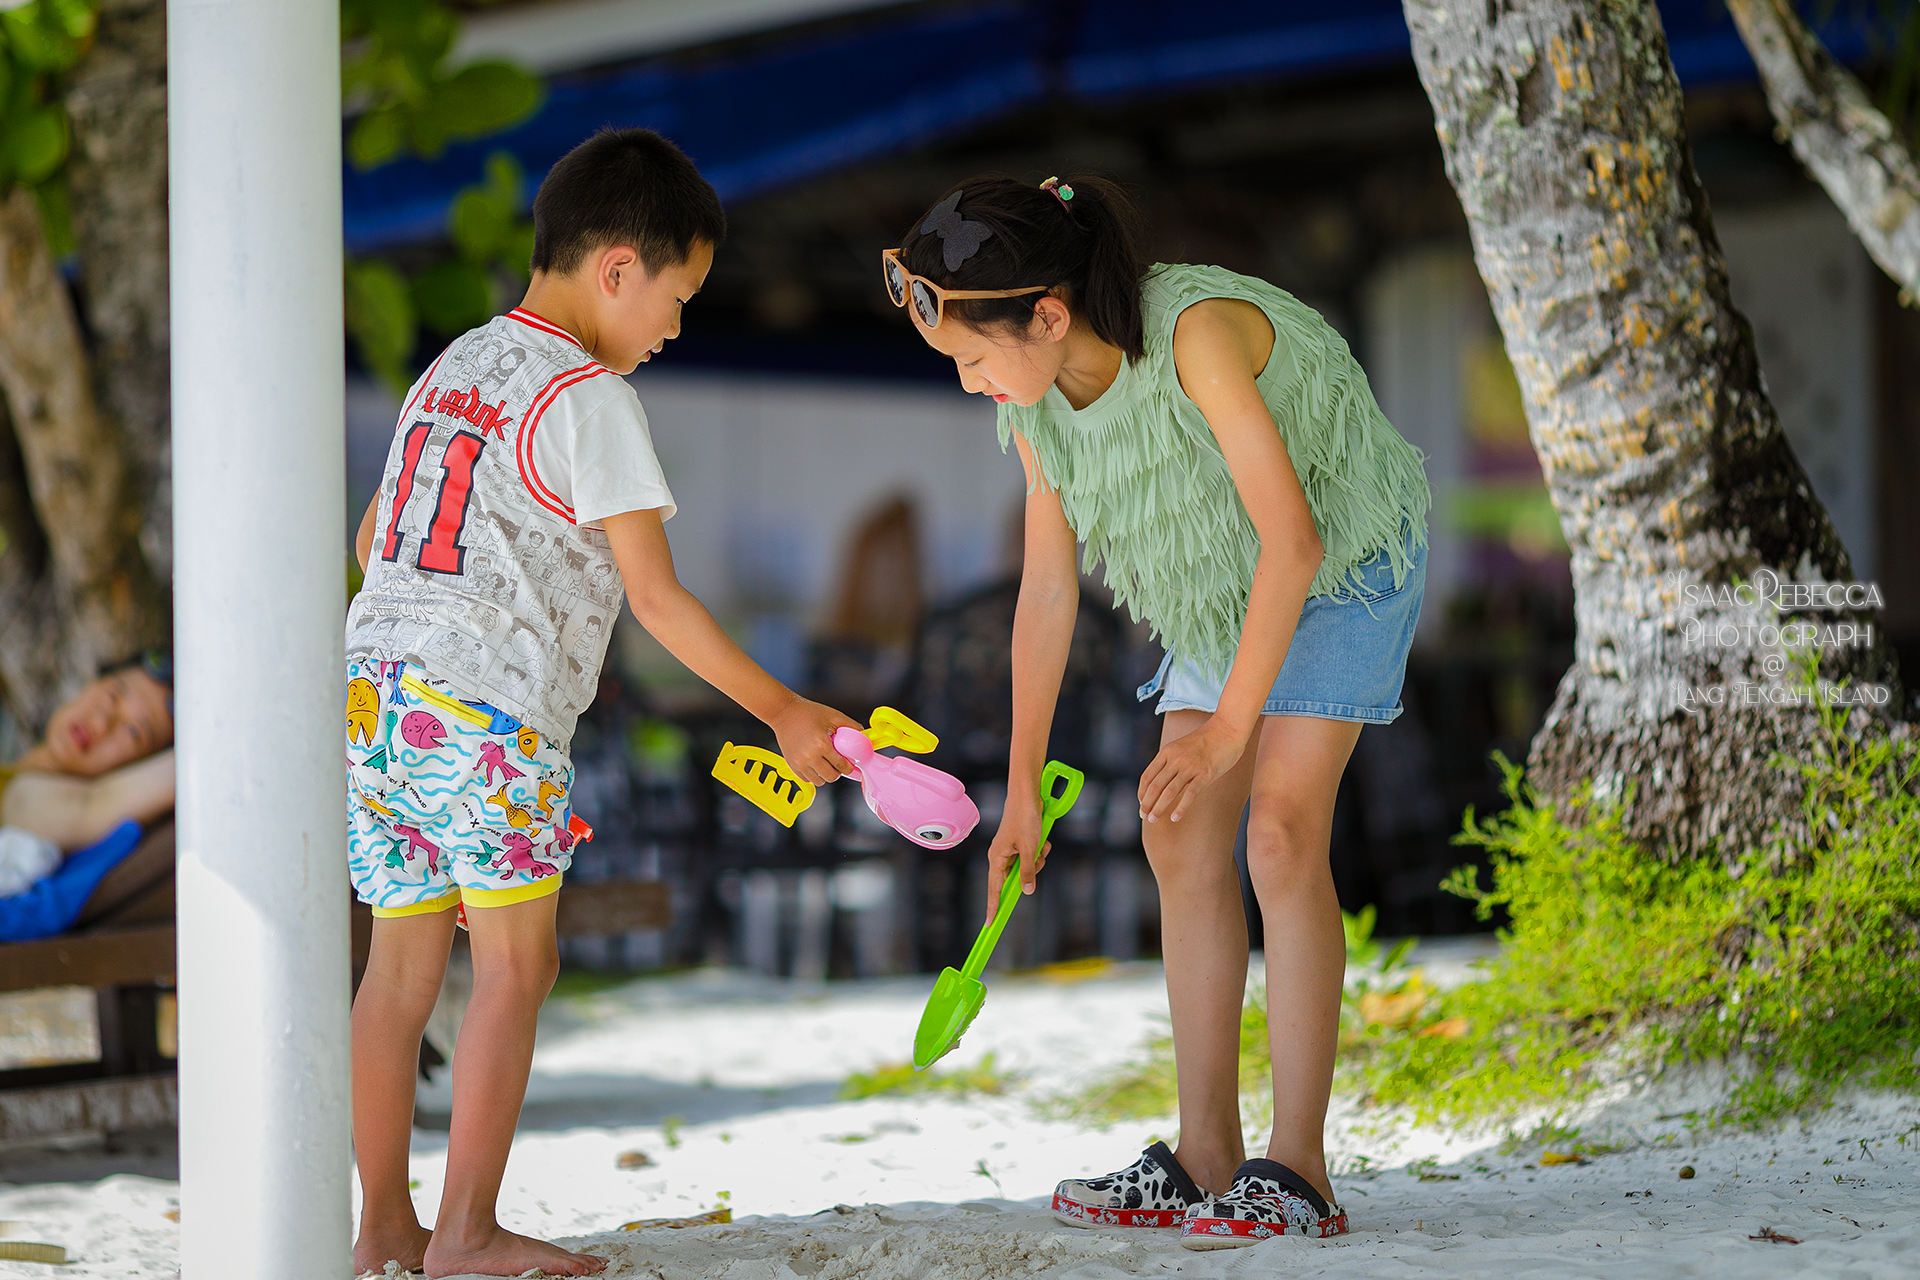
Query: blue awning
(780, 114)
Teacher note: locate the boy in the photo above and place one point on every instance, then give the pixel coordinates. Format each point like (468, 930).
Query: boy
(475, 644)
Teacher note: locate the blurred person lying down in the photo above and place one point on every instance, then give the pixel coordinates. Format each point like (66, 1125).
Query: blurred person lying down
(107, 757)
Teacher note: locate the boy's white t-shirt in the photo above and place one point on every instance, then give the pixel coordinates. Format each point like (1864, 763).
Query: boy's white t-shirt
(496, 574)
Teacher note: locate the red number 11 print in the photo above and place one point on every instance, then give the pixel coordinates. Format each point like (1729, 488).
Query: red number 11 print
(442, 551)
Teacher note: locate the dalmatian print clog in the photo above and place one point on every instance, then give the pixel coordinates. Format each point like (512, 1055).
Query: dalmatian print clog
(1153, 1191)
(1267, 1199)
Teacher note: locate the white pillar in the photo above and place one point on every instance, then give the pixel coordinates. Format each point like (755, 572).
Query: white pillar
(259, 599)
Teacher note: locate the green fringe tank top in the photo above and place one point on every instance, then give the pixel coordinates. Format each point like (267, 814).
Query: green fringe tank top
(1146, 488)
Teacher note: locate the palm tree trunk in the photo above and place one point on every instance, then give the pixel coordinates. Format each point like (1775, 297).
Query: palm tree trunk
(1563, 131)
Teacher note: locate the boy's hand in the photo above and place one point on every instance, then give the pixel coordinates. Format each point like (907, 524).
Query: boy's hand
(1016, 850)
(805, 730)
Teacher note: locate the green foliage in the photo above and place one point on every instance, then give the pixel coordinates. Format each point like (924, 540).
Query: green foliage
(393, 74)
(404, 100)
(899, 1078)
(39, 42)
(493, 243)
(1800, 967)
(452, 296)
(381, 317)
(1801, 964)
(485, 222)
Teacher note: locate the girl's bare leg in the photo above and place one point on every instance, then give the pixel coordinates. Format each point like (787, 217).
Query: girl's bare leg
(515, 960)
(1203, 936)
(405, 967)
(1295, 778)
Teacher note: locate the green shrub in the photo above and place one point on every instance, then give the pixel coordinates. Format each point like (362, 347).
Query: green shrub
(1798, 966)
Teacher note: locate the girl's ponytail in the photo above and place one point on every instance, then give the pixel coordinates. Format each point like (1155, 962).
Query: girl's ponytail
(1089, 242)
(1108, 294)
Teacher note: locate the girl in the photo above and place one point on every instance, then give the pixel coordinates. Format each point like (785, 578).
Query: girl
(1213, 441)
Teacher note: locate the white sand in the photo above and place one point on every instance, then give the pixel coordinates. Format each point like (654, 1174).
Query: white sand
(752, 1068)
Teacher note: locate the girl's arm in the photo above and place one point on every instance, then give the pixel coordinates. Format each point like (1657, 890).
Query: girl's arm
(74, 812)
(680, 622)
(1042, 634)
(1219, 348)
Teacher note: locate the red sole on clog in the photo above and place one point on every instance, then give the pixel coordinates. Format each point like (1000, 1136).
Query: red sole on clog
(1075, 1214)
(1237, 1233)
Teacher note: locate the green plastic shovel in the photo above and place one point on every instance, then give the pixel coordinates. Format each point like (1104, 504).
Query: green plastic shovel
(959, 993)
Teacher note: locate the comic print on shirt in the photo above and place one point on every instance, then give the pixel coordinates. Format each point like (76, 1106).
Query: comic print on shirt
(489, 567)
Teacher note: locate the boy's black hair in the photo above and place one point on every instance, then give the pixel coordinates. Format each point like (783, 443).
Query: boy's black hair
(624, 186)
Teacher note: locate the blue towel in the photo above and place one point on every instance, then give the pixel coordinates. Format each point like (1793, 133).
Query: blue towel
(53, 904)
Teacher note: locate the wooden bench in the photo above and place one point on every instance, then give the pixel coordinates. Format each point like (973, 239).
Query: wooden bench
(123, 945)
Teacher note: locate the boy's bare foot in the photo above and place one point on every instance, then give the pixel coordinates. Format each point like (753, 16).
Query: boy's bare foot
(502, 1253)
(405, 1244)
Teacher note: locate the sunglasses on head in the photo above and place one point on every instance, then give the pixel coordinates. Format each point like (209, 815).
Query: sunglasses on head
(929, 299)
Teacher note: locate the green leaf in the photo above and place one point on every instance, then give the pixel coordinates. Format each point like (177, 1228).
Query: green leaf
(420, 31)
(56, 215)
(426, 132)
(484, 98)
(36, 143)
(74, 17)
(485, 222)
(23, 90)
(380, 316)
(38, 45)
(453, 296)
(356, 17)
(517, 255)
(506, 180)
(479, 224)
(376, 137)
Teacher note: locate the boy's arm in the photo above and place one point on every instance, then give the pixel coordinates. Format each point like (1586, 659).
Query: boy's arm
(680, 622)
(75, 812)
(363, 540)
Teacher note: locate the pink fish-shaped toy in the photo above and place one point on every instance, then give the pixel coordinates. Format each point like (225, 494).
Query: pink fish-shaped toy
(923, 804)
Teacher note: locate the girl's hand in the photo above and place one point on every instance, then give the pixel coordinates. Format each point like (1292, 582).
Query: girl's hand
(805, 730)
(1186, 766)
(1016, 846)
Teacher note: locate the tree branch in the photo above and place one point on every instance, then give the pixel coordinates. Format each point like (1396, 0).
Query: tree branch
(1849, 146)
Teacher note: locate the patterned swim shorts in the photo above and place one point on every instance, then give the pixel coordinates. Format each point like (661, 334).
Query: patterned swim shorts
(449, 802)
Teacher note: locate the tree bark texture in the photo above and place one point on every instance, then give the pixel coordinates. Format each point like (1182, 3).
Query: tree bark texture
(1849, 146)
(1563, 130)
(77, 592)
(117, 98)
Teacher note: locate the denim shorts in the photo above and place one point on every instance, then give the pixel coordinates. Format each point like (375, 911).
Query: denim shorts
(1347, 661)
